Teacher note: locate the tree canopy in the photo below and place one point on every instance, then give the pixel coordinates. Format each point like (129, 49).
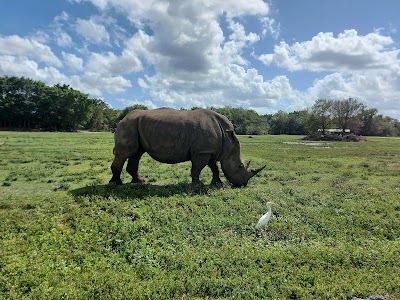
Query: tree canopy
(27, 104)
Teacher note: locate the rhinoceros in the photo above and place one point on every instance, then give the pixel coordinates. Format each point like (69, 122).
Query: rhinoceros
(201, 136)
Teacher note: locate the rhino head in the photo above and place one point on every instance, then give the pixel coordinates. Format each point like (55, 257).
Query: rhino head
(235, 170)
(239, 174)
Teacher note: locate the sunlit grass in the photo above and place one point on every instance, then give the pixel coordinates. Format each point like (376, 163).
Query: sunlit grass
(65, 233)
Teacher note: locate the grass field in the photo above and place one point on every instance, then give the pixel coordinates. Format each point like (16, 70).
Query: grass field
(66, 234)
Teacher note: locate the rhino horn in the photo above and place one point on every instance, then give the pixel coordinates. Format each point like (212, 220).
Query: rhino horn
(255, 172)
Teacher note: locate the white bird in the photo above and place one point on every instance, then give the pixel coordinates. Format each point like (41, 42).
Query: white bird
(265, 218)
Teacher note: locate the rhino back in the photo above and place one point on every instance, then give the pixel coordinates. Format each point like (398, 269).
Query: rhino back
(173, 136)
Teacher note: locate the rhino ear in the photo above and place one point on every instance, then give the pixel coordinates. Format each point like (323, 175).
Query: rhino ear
(230, 134)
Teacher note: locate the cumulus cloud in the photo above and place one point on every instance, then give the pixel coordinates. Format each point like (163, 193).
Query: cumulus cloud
(18, 46)
(139, 11)
(233, 85)
(23, 66)
(192, 61)
(92, 83)
(109, 63)
(63, 39)
(61, 18)
(346, 52)
(148, 103)
(195, 53)
(376, 89)
(96, 84)
(364, 67)
(72, 61)
(17, 66)
(195, 63)
(92, 31)
(270, 27)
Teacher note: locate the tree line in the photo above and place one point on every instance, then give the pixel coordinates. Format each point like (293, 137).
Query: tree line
(27, 104)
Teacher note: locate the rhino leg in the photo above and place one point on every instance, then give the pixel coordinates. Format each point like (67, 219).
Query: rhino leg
(133, 166)
(116, 168)
(198, 164)
(215, 171)
(121, 153)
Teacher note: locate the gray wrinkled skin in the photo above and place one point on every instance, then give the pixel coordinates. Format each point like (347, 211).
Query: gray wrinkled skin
(172, 136)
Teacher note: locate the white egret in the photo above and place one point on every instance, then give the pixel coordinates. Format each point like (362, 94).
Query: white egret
(265, 218)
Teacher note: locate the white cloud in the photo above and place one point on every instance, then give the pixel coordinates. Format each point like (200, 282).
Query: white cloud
(109, 63)
(139, 11)
(72, 61)
(186, 36)
(63, 39)
(376, 89)
(365, 67)
(17, 66)
(142, 83)
(239, 33)
(23, 66)
(148, 103)
(91, 31)
(17, 46)
(195, 64)
(347, 52)
(61, 18)
(270, 26)
(232, 85)
(98, 83)
(92, 83)
(182, 41)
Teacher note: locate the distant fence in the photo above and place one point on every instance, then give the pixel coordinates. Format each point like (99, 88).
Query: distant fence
(334, 130)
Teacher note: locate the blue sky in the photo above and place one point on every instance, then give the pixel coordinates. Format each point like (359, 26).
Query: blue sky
(261, 55)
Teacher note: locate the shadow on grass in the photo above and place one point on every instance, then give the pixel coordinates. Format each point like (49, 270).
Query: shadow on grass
(139, 191)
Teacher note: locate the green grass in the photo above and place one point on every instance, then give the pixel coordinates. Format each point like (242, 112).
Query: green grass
(66, 234)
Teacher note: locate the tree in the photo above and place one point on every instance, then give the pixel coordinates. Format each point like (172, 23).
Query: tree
(19, 98)
(319, 118)
(346, 114)
(67, 109)
(245, 121)
(278, 122)
(386, 126)
(296, 121)
(369, 125)
(128, 109)
(397, 127)
(31, 104)
(103, 117)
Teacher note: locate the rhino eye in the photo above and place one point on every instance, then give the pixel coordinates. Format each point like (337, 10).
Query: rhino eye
(241, 166)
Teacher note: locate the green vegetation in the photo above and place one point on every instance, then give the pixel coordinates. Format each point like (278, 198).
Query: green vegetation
(66, 234)
(27, 104)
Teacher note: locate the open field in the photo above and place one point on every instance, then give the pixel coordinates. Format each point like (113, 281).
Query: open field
(66, 234)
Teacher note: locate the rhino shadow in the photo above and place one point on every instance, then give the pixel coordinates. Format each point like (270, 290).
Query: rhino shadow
(143, 190)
